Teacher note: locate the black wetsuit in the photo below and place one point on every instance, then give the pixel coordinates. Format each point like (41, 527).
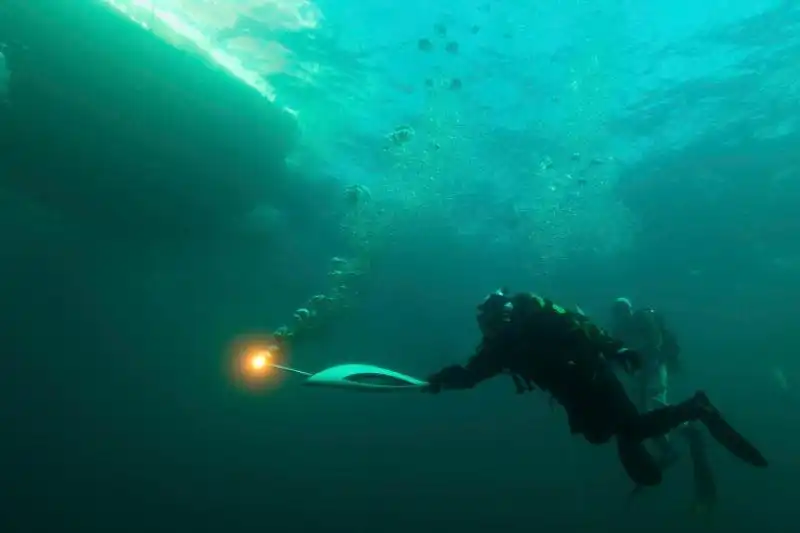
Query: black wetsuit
(563, 353)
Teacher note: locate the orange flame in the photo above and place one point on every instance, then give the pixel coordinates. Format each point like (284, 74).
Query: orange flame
(252, 359)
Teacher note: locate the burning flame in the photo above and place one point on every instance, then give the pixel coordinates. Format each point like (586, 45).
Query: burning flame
(253, 361)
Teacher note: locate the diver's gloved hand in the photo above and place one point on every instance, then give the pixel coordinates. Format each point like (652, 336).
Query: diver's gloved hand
(449, 377)
(631, 360)
(435, 382)
(432, 388)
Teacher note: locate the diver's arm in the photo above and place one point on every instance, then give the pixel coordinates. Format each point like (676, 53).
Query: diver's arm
(630, 360)
(614, 350)
(482, 366)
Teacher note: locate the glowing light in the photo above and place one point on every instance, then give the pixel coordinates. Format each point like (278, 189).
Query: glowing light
(253, 359)
(259, 361)
(256, 362)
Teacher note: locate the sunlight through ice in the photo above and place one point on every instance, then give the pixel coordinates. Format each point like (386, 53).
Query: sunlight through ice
(193, 25)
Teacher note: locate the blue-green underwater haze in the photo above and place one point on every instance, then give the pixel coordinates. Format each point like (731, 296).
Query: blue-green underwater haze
(401, 160)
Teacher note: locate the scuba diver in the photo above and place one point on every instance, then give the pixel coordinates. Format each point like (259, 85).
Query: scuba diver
(644, 330)
(541, 345)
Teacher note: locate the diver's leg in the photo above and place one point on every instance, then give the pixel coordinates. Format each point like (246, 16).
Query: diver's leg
(705, 486)
(663, 420)
(639, 464)
(643, 391)
(657, 396)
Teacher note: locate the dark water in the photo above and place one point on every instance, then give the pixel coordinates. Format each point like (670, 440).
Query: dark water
(118, 412)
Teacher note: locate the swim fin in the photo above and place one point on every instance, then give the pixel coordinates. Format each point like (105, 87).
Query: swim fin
(638, 463)
(724, 433)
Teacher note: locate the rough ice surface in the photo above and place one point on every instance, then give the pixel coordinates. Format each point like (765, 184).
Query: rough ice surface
(555, 103)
